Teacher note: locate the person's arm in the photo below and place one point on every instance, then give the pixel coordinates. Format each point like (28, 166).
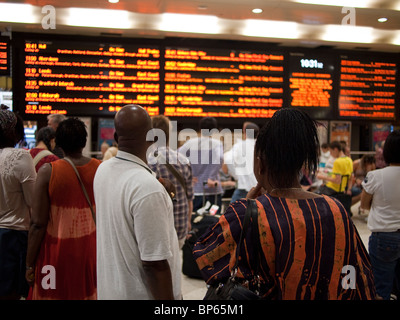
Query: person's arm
(158, 278)
(39, 220)
(366, 200)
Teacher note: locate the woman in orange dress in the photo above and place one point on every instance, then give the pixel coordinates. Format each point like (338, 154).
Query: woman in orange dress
(61, 258)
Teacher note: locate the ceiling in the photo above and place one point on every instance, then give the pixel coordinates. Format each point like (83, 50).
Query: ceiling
(286, 22)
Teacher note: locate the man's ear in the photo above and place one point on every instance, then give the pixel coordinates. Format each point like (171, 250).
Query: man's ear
(116, 137)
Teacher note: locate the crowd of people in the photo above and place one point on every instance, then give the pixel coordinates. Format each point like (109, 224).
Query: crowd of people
(113, 228)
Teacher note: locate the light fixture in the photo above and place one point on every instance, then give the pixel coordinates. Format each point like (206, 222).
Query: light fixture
(340, 3)
(270, 29)
(383, 19)
(99, 18)
(189, 23)
(257, 10)
(113, 1)
(20, 13)
(348, 33)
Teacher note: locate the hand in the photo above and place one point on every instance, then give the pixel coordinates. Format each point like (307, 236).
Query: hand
(169, 186)
(255, 192)
(212, 183)
(30, 276)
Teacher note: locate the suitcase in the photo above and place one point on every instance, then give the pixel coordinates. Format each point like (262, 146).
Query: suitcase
(200, 224)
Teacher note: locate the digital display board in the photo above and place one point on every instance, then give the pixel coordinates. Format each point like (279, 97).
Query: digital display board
(311, 83)
(89, 78)
(4, 56)
(367, 88)
(222, 82)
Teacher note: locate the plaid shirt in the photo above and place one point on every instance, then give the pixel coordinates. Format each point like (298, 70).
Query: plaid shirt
(182, 165)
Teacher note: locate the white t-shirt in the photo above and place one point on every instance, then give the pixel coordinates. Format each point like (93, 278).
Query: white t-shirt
(384, 185)
(135, 223)
(240, 161)
(17, 181)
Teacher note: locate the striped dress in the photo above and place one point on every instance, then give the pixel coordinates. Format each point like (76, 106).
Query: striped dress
(69, 245)
(305, 245)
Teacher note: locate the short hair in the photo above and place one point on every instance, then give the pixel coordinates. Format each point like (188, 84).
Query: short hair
(71, 135)
(325, 145)
(252, 126)
(161, 122)
(208, 123)
(57, 117)
(45, 134)
(336, 145)
(287, 143)
(13, 134)
(391, 149)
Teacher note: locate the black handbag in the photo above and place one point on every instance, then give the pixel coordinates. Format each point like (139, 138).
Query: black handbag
(232, 289)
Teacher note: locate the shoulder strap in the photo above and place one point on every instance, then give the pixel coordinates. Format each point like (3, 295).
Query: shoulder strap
(83, 187)
(39, 156)
(246, 223)
(176, 174)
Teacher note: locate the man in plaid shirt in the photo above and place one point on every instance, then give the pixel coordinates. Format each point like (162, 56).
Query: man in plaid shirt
(157, 161)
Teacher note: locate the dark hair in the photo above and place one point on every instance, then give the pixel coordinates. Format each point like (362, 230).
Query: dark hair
(325, 145)
(367, 159)
(286, 143)
(208, 123)
(71, 135)
(161, 122)
(336, 145)
(252, 126)
(9, 138)
(45, 134)
(391, 149)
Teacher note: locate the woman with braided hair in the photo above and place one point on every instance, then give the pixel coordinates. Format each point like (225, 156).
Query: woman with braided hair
(306, 239)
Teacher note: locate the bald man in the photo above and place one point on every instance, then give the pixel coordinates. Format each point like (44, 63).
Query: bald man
(137, 246)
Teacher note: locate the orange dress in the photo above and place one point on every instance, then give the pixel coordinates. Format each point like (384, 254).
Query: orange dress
(66, 264)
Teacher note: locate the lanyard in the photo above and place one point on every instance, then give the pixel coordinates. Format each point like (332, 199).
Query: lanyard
(136, 163)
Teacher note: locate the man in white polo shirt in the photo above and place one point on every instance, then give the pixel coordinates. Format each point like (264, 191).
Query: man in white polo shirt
(137, 246)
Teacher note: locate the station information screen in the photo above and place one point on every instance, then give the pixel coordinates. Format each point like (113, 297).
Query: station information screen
(367, 88)
(222, 82)
(4, 56)
(311, 83)
(89, 78)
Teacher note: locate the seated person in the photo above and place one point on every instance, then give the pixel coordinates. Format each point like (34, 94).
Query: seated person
(343, 166)
(360, 169)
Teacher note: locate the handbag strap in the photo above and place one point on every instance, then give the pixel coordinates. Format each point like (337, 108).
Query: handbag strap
(39, 156)
(249, 213)
(175, 173)
(83, 187)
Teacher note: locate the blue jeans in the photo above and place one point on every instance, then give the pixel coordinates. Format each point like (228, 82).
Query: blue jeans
(384, 251)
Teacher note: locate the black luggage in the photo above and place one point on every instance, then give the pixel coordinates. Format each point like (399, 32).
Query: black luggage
(200, 223)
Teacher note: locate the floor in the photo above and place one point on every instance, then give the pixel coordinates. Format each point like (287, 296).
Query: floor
(194, 289)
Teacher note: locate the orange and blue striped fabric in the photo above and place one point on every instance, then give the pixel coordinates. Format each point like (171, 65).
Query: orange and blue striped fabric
(305, 245)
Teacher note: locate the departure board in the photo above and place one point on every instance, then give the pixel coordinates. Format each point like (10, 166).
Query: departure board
(311, 83)
(4, 56)
(89, 78)
(367, 88)
(222, 82)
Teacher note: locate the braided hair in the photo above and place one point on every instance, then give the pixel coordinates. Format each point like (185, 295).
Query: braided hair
(287, 143)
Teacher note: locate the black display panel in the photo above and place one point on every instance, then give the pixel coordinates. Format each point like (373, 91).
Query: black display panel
(86, 78)
(311, 83)
(367, 88)
(223, 82)
(4, 56)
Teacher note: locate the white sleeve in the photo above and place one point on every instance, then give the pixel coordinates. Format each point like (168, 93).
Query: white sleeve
(27, 177)
(152, 224)
(370, 183)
